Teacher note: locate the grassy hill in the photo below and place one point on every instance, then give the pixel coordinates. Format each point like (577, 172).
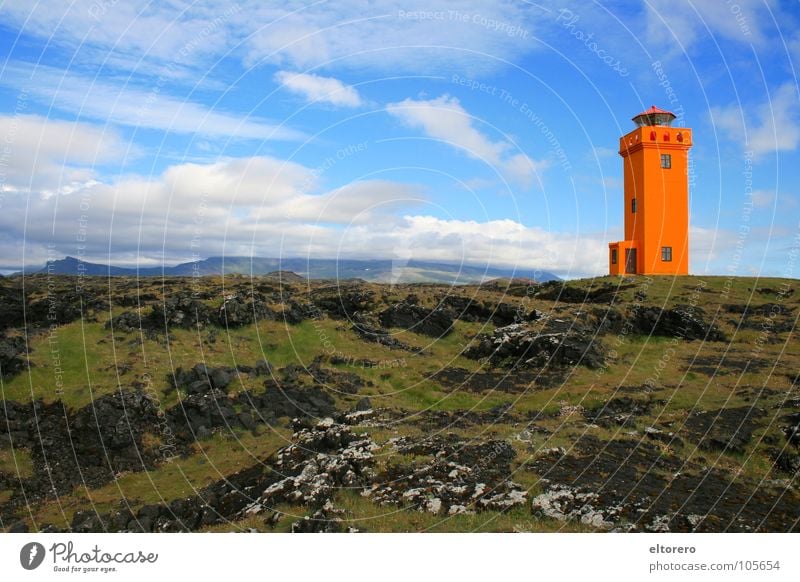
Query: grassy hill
(636, 404)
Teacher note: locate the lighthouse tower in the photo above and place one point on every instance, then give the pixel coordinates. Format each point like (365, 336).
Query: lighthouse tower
(655, 159)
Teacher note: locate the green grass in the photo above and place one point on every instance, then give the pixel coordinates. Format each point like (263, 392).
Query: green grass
(16, 462)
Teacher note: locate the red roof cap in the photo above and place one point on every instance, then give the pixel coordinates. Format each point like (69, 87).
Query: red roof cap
(654, 110)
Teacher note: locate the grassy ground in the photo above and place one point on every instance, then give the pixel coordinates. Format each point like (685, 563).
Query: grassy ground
(756, 366)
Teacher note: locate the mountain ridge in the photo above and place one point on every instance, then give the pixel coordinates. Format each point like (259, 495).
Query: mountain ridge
(378, 271)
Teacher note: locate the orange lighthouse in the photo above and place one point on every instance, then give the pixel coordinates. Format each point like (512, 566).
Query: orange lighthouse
(656, 161)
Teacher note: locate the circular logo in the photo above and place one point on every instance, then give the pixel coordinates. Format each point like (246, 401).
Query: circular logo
(31, 555)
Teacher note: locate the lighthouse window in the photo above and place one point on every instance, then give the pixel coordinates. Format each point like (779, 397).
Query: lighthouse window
(613, 256)
(666, 254)
(666, 161)
(633, 205)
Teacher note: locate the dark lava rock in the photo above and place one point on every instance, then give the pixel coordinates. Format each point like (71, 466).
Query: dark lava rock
(430, 322)
(182, 311)
(18, 527)
(62, 307)
(237, 311)
(608, 320)
(685, 322)
(774, 317)
(113, 425)
(563, 292)
(792, 428)
(201, 378)
(633, 485)
(319, 522)
(126, 322)
(517, 381)
(785, 461)
(12, 307)
(345, 382)
(559, 343)
(86, 521)
(618, 411)
(342, 302)
(134, 300)
(727, 429)
(210, 409)
(293, 402)
(298, 312)
(764, 310)
(500, 314)
(87, 447)
(13, 356)
(368, 331)
(262, 368)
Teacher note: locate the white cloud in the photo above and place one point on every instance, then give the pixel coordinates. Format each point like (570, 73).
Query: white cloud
(48, 155)
(766, 128)
(763, 198)
(141, 107)
(266, 207)
(208, 208)
(444, 119)
(355, 203)
(504, 243)
(111, 32)
(393, 35)
(683, 24)
(320, 89)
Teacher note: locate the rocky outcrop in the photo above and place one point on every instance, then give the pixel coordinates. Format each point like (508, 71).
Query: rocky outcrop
(774, 317)
(88, 447)
(369, 331)
(182, 311)
(202, 378)
(459, 478)
(563, 503)
(13, 356)
(342, 302)
(297, 312)
(564, 292)
(683, 321)
(559, 343)
(127, 322)
(12, 310)
(338, 381)
(620, 411)
(238, 311)
(634, 485)
(791, 428)
(499, 313)
(61, 308)
(323, 459)
(728, 429)
(431, 322)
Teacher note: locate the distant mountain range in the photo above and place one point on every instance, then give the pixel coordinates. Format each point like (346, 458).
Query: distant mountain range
(378, 271)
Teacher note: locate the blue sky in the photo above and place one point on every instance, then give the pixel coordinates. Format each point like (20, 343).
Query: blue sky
(483, 132)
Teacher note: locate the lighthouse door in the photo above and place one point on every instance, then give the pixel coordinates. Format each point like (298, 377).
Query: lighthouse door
(630, 261)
